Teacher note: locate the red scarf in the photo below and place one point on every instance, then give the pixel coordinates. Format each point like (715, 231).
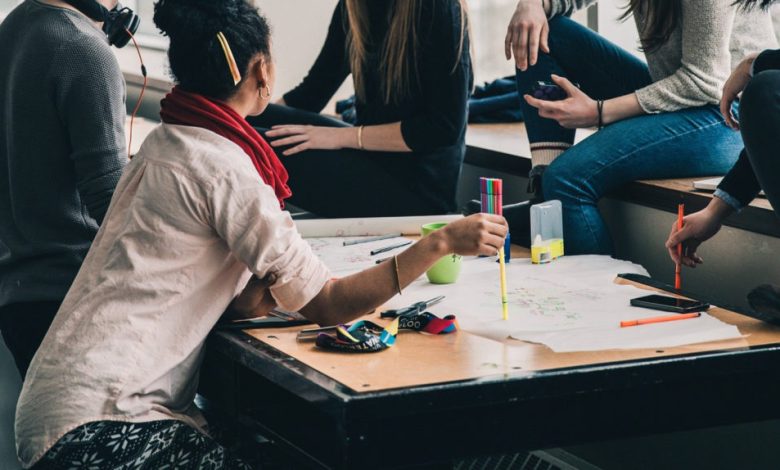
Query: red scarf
(190, 109)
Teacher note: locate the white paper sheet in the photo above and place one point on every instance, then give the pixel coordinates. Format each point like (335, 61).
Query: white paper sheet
(344, 260)
(319, 228)
(571, 304)
(657, 335)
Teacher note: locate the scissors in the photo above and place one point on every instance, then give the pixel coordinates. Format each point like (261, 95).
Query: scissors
(412, 309)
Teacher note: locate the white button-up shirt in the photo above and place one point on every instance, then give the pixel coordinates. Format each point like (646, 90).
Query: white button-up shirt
(189, 223)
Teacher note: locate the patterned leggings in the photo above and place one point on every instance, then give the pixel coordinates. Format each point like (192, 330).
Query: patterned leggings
(160, 445)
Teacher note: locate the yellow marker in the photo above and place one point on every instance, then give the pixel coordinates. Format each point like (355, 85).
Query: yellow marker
(502, 268)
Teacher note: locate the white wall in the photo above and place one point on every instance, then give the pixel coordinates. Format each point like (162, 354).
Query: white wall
(299, 29)
(623, 33)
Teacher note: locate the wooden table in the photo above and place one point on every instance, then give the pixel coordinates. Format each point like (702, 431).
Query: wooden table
(431, 399)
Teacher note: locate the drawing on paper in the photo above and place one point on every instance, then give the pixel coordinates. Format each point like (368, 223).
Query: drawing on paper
(342, 259)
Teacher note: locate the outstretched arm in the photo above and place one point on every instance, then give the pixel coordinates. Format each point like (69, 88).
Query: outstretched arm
(342, 300)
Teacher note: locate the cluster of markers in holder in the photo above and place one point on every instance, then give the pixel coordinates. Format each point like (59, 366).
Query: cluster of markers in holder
(491, 199)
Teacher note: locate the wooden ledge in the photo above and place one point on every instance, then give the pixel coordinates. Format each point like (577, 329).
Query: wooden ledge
(505, 147)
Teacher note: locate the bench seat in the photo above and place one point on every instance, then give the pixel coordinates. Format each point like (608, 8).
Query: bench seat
(505, 148)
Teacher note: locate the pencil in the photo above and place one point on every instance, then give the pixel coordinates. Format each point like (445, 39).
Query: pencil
(390, 248)
(678, 267)
(647, 321)
(502, 269)
(498, 190)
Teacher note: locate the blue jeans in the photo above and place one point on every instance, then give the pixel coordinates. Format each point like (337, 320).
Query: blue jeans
(686, 143)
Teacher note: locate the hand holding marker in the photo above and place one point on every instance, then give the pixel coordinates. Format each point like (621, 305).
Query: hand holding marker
(491, 190)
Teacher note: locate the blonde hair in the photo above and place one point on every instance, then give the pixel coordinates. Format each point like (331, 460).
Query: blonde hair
(401, 49)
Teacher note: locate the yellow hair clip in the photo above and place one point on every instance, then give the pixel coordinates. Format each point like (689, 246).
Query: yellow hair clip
(229, 57)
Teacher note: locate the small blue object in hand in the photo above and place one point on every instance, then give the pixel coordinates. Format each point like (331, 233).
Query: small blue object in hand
(548, 91)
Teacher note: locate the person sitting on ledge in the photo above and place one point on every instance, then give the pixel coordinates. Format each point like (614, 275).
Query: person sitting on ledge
(757, 78)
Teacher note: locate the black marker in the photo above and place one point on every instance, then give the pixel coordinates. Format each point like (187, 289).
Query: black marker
(389, 248)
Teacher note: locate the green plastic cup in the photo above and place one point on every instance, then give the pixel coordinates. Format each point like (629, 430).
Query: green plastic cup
(447, 269)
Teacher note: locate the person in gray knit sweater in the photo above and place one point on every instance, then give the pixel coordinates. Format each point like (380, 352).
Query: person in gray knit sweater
(658, 119)
(62, 151)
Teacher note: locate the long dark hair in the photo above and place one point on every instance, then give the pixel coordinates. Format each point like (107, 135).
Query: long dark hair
(401, 49)
(661, 18)
(197, 60)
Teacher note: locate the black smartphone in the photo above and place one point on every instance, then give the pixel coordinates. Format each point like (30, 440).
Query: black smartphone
(548, 91)
(669, 304)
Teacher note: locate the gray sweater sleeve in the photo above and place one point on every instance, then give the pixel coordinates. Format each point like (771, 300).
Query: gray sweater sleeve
(706, 60)
(567, 7)
(90, 99)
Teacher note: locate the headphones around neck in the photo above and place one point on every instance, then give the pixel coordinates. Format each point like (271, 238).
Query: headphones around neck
(116, 22)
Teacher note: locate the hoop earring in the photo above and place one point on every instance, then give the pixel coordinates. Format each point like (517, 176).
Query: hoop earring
(267, 87)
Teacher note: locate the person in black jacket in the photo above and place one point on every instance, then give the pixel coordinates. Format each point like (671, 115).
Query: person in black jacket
(757, 78)
(411, 68)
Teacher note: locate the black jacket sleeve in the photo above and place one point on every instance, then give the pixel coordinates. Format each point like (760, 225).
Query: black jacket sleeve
(741, 183)
(445, 81)
(329, 70)
(767, 60)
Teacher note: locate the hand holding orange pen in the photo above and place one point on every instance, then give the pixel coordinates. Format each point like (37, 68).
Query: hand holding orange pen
(678, 267)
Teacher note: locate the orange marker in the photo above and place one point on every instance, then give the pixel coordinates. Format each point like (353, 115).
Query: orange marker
(646, 321)
(678, 268)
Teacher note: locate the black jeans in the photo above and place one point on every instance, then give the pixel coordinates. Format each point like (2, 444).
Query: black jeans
(760, 124)
(23, 326)
(348, 182)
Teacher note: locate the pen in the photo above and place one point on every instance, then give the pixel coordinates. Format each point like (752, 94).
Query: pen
(646, 321)
(678, 267)
(371, 239)
(390, 248)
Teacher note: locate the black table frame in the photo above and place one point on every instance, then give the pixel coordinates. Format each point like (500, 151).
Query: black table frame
(328, 425)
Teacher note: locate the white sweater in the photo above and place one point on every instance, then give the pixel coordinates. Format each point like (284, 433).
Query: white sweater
(712, 37)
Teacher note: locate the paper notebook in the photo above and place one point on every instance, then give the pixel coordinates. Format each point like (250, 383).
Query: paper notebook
(711, 184)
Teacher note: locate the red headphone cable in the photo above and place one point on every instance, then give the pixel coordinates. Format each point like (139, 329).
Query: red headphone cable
(140, 96)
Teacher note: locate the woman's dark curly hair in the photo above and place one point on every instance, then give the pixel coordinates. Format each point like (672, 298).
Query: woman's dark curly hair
(196, 58)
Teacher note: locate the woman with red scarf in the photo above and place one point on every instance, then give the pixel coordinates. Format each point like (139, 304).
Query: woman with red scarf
(195, 227)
